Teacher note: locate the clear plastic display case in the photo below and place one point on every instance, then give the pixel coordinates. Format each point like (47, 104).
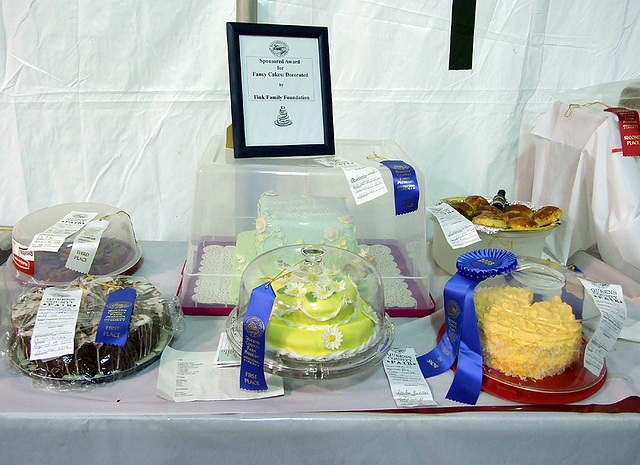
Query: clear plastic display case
(245, 207)
(118, 251)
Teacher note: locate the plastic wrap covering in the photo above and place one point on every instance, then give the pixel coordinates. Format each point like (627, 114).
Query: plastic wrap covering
(5, 243)
(154, 322)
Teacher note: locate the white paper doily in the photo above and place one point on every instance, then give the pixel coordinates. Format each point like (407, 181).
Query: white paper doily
(212, 286)
(217, 264)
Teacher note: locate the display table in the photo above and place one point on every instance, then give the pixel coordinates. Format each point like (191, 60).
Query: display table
(351, 420)
(575, 161)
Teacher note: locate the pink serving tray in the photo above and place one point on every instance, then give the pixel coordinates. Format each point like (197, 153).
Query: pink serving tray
(425, 304)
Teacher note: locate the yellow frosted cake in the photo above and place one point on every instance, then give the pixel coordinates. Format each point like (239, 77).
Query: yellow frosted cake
(318, 314)
(525, 339)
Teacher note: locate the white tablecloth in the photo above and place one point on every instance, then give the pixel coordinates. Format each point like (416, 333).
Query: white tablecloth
(352, 420)
(574, 161)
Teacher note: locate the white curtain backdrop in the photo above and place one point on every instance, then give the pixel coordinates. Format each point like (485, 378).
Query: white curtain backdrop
(116, 101)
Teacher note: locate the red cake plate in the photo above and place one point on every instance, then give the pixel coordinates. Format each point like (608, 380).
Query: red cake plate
(574, 384)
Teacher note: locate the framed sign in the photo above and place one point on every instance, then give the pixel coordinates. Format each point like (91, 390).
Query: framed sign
(280, 90)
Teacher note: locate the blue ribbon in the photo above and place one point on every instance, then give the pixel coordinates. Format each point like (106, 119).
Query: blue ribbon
(461, 339)
(405, 184)
(254, 328)
(113, 327)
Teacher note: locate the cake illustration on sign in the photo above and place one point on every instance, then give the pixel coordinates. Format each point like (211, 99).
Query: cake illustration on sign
(283, 117)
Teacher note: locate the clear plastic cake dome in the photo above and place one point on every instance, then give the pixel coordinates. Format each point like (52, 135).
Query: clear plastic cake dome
(534, 325)
(327, 319)
(118, 252)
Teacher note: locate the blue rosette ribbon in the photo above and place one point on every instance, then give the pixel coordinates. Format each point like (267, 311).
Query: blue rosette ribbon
(461, 339)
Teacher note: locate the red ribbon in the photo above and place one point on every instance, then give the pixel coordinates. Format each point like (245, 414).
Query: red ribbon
(629, 130)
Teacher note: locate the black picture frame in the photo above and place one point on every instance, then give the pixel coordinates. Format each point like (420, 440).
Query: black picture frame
(252, 112)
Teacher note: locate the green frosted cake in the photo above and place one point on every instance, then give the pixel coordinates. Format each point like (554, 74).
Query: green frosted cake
(292, 219)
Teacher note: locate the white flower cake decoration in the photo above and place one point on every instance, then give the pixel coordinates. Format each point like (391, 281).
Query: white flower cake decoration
(332, 338)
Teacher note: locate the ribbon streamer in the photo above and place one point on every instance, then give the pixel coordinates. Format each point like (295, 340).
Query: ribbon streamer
(113, 327)
(461, 340)
(629, 123)
(253, 340)
(405, 184)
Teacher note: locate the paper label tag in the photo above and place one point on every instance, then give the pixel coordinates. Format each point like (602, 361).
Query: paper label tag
(23, 258)
(190, 376)
(408, 386)
(85, 245)
(459, 231)
(629, 122)
(54, 236)
(365, 183)
(609, 299)
(55, 325)
(225, 355)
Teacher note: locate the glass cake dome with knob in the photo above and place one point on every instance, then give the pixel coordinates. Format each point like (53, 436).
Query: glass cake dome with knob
(534, 323)
(327, 319)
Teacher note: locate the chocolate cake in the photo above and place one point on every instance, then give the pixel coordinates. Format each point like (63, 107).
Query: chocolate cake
(149, 330)
(111, 255)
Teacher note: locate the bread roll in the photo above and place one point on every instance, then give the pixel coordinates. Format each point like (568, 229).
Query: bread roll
(490, 220)
(547, 215)
(520, 208)
(487, 209)
(476, 200)
(513, 214)
(463, 208)
(521, 222)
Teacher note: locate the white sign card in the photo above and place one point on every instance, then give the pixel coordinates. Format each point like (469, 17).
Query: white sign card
(408, 385)
(280, 90)
(54, 236)
(609, 300)
(365, 183)
(459, 231)
(192, 376)
(280, 93)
